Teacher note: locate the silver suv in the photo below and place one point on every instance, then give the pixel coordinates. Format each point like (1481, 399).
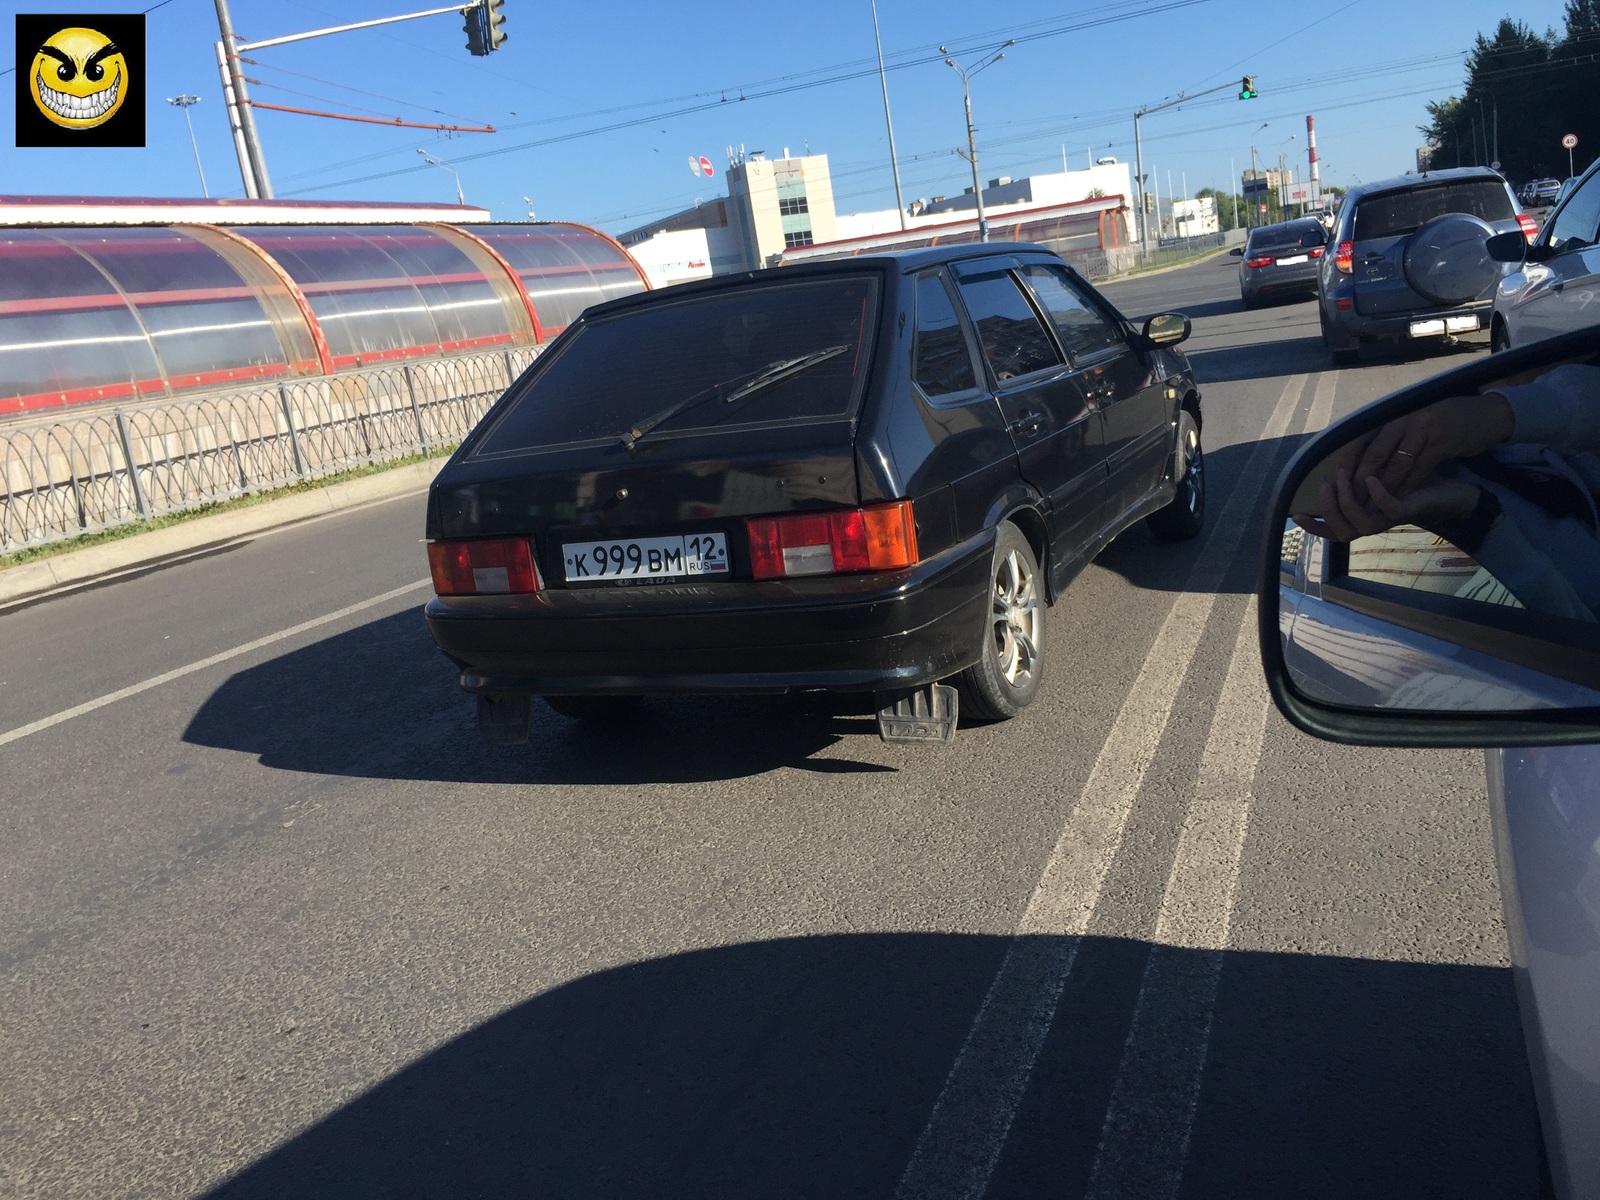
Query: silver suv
(1407, 260)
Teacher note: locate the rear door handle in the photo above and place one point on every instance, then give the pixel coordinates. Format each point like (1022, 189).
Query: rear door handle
(1028, 422)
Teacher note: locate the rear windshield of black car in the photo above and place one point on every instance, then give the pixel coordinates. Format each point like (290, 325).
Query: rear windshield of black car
(1394, 214)
(1297, 233)
(707, 354)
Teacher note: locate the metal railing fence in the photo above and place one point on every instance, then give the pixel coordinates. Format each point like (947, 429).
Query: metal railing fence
(1173, 250)
(79, 474)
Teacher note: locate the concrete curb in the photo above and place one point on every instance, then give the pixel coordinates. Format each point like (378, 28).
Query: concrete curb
(78, 568)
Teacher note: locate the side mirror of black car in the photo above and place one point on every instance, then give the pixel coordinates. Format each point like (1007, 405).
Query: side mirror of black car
(1167, 329)
(1431, 567)
(1237, 252)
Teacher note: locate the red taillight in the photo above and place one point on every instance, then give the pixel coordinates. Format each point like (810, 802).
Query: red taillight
(1344, 257)
(1260, 260)
(1530, 227)
(1316, 251)
(482, 568)
(880, 538)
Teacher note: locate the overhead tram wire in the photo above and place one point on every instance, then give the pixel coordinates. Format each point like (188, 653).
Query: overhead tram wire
(1108, 13)
(745, 94)
(348, 88)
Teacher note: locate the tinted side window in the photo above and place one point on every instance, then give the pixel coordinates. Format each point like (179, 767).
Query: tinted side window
(1575, 225)
(940, 360)
(1014, 340)
(1084, 329)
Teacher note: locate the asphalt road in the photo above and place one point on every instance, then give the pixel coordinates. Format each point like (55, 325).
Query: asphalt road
(273, 923)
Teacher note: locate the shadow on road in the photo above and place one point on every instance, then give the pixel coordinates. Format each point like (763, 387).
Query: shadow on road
(808, 1067)
(380, 701)
(1260, 360)
(1158, 566)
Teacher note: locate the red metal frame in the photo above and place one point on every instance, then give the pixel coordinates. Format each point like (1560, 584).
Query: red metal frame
(324, 355)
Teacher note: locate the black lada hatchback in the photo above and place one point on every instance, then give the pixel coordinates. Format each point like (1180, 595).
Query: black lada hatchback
(870, 474)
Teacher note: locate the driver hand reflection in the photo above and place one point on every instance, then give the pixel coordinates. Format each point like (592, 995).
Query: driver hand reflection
(1511, 477)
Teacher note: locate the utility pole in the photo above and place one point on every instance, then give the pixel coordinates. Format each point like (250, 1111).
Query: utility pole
(883, 78)
(1247, 91)
(236, 126)
(241, 101)
(252, 162)
(972, 143)
(186, 102)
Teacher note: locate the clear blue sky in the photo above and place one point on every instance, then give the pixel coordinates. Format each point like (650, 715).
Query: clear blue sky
(808, 77)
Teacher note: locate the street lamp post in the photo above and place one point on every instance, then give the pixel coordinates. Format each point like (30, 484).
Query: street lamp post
(185, 102)
(1254, 173)
(439, 162)
(966, 74)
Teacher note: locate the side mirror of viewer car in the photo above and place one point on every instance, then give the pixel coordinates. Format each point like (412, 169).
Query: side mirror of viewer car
(1431, 567)
(1167, 329)
(1508, 247)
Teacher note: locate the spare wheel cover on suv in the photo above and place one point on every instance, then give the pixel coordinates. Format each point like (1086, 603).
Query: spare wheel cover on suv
(1447, 261)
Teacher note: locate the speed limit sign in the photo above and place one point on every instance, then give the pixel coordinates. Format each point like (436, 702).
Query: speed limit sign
(1569, 141)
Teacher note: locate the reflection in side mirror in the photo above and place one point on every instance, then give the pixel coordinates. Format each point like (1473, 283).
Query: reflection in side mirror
(1507, 247)
(1438, 573)
(1237, 252)
(1167, 329)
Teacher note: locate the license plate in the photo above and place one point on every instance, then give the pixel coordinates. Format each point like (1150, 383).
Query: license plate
(1289, 262)
(1443, 325)
(646, 560)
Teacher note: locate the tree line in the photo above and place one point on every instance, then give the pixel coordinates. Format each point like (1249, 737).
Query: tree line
(1524, 91)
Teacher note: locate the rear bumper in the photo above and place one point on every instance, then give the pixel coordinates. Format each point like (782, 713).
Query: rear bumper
(1397, 327)
(1267, 282)
(845, 633)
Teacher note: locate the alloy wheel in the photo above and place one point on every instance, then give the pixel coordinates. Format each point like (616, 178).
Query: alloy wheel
(1015, 620)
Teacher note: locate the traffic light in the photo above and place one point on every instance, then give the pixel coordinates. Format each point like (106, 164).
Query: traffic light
(1149, 202)
(494, 22)
(477, 30)
(1247, 88)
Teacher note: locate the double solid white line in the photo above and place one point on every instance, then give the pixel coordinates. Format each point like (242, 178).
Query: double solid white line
(962, 1140)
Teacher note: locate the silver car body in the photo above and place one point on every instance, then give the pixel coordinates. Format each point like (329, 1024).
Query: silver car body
(1545, 810)
(1562, 292)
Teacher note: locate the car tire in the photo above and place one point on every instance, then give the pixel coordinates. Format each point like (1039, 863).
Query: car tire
(1341, 354)
(1499, 337)
(601, 710)
(1183, 518)
(1246, 302)
(1006, 677)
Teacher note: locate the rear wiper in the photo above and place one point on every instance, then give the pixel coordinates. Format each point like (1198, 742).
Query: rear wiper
(774, 372)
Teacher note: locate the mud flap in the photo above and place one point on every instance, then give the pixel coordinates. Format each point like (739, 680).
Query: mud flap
(504, 720)
(925, 714)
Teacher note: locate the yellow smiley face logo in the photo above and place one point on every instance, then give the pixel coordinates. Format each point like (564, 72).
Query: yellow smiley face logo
(79, 78)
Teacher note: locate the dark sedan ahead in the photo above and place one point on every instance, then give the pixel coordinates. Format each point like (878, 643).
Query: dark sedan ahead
(862, 475)
(1281, 261)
